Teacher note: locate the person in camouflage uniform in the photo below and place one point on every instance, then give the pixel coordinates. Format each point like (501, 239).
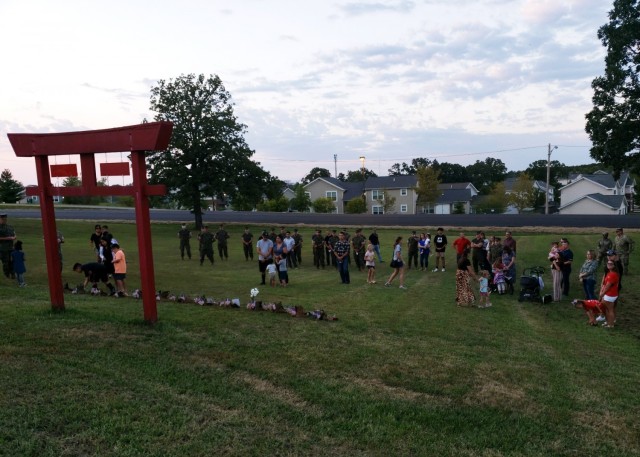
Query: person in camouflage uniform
(185, 244)
(298, 246)
(333, 239)
(247, 244)
(206, 240)
(358, 244)
(412, 249)
(623, 246)
(604, 245)
(317, 241)
(7, 237)
(273, 234)
(222, 236)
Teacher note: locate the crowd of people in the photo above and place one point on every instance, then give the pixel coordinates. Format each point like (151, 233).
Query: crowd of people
(491, 261)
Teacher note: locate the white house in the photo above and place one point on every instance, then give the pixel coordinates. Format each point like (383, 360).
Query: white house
(597, 193)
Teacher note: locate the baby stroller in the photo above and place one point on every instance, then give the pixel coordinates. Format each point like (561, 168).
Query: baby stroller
(531, 284)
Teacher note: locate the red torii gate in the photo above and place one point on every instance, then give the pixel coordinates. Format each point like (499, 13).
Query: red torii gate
(137, 139)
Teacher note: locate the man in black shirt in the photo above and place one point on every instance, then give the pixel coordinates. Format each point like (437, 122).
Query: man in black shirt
(375, 241)
(440, 243)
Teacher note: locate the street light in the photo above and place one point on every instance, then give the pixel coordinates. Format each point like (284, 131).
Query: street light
(362, 162)
(546, 191)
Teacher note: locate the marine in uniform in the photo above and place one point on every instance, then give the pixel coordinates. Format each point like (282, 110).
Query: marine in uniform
(7, 237)
(206, 240)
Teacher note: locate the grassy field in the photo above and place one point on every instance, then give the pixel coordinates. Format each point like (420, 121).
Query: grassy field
(402, 373)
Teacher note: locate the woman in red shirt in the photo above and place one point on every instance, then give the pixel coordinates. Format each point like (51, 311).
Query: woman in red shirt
(609, 293)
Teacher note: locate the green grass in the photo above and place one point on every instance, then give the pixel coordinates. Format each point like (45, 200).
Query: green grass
(400, 372)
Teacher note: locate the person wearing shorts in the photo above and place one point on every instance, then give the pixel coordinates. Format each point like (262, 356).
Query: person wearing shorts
(370, 263)
(440, 246)
(609, 293)
(120, 269)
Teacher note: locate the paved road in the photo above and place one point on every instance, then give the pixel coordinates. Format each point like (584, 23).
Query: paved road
(365, 220)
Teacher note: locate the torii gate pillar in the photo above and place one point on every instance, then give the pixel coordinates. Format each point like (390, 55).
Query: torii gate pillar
(137, 139)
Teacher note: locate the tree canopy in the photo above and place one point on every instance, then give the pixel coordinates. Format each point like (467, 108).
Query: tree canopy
(538, 171)
(427, 187)
(357, 175)
(523, 195)
(10, 189)
(301, 201)
(614, 123)
(316, 173)
(207, 154)
(406, 169)
(484, 174)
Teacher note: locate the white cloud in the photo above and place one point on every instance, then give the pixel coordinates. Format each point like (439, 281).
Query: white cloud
(390, 79)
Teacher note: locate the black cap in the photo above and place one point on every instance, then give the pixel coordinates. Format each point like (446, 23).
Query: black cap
(3, 215)
(611, 252)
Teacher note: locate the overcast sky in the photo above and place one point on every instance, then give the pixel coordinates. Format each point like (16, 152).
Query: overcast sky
(389, 80)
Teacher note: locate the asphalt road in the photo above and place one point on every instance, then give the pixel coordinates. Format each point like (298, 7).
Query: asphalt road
(101, 214)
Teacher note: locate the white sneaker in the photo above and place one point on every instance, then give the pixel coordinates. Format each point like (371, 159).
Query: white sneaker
(434, 270)
(402, 287)
(601, 319)
(443, 270)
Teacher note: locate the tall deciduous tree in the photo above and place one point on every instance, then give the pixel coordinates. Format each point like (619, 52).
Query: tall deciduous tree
(207, 154)
(484, 174)
(10, 189)
(427, 188)
(614, 123)
(451, 172)
(523, 195)
(538, 170)
(495, 202)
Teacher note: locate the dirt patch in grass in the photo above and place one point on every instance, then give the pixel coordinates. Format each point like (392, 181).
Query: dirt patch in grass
(607, 426)
(278, 393)
(376, 386)
(491, 392)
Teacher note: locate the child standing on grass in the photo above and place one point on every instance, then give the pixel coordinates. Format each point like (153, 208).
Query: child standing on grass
(484, 290)
(271, 271)
(282, 271)
(17, 258)
(120, 269)
(370, 262)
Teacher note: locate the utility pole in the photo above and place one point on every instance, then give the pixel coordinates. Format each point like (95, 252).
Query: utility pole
(546, 191)
(335, 165)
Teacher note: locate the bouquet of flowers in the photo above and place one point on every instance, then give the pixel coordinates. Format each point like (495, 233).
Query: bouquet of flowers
(254, 293)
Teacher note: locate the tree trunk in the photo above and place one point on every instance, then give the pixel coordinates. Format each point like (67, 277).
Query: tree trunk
(197, 210)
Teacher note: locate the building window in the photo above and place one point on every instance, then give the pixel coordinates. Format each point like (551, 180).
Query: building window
(377, 209)
(403, 208)
(308, 194)
(332, 195)
(403, 192)
(377, 195)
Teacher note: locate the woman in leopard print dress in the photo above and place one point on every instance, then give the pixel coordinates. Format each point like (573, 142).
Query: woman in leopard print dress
(464, 272)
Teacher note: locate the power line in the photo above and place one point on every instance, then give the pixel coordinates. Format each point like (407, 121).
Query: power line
(432, 155)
